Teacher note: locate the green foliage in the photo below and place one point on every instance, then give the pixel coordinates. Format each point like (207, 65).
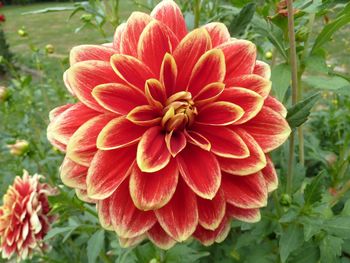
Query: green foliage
(242, 20)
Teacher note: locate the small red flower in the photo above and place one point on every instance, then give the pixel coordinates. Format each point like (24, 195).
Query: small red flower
(171, 130)
(2, 18)
(24, 219)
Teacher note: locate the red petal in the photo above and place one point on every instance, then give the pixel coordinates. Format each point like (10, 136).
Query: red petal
(188, 52)
(90, 52)
(250, 101)
(248, 191)
(103, 214)
(208, 237)
(268, 128)
(240, 56)
(58, 110)
(82, 145)
(175, 142)
(64, 125)
(131, 242)
(246, 215)
(218, 33)
(108, 170)
(86, 75)
(160, 238)
(132, 32)
(179, 217)
(209, 93)
(270, 175)
(155, 41)
(252, 82)
(73, 174)
(198, 139)
(170, 14)
(82, 195)
(118, 36)
(118, 98)
(131, 70)
(252, 164)
(144, 115)
(219, 113)
(155, 93)
(152, 153)
(151, 191)
(211, 212)
(127, 220)
(224, 141)
(277, 106)
(262, 69)
(168, 74)
(119, 133)
(209, 68)
(200, 170)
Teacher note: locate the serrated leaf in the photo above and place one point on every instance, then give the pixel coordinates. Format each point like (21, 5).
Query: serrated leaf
(338, 226)
(95, 245)
(280, 77)
(308, 253)
(291, 239)
(313, 191)
(330, 249)
(299, 113)
(312, 226)
(242, 20)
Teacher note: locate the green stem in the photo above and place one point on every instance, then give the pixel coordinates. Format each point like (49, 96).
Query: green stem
(197, 13)
(294, 68)
(104, 257)
(277, 203)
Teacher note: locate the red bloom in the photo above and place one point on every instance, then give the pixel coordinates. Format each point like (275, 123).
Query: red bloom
(24, 219)
(2, 18)
(172, 129)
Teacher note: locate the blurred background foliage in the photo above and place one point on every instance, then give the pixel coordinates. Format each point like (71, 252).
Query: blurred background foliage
(308, 223)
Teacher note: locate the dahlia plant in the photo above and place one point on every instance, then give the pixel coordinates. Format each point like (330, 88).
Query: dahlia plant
(24, 217)
(172, 129)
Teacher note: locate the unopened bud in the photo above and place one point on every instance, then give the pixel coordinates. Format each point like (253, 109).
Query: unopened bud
(268, 55)
(22, 33)
(286, 200)
(19, 148)
(4, 94)
(50, 49)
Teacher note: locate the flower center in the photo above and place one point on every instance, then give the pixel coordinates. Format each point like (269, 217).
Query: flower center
(179, 112)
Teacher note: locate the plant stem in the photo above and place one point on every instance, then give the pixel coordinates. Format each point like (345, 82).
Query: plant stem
(197, 12)
(294, 68)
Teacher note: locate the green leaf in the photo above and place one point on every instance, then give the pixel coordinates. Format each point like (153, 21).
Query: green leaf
(299, 113)
(59, 230)
(242, 20)
(316, 63)
(326, 82)
(338, 226)
(183, 254)
(291, 239)
(346, 209)
(313, 191)
(280, 77)
(95, 245)
(50, 9)
(331, 248)
(308, 253)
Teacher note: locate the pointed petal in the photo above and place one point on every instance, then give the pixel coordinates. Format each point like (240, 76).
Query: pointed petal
(118, 36)
(178, 218)
(188, 52)
(160, 238)
(209, 68)
(118, 98)
(127, 220)
(72, 174)
(252, 82)
(219, 113)
(155, 41)
(168, 74)
(64, 125)
(262, 69)
(131, 70)
(248, 191)
(218, 33)
(250, 101)
(170, 14)
(131, 242)
(82, 195)
(58, 110)
(103, 214)
(277, 106)
(90, 52)
(208, 237)
(240, 56)
(155, 93)
(119, 133)
(151, 191)
(200, 170)
(268, 128)
(252, 164)
(108, 170)
(209, 93)
(211, 212)
(144, 115)
(86, 75)
(135, 24)
(270, 175)
(251, 215)
(198, 139)
(175, 142)
(224, 141)
(152, 153)
(82, 145)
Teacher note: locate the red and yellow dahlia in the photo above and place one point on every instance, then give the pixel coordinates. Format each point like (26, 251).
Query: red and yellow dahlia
(24, 217)
(172, 129)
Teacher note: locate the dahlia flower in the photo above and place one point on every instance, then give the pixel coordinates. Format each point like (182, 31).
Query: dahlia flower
(171, 130)
(24, 219)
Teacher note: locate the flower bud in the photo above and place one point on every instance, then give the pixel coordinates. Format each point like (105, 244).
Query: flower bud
(22, 33)
(154, 260)
(49, 49)
(19, 148)
(4, 94)
(286, 200)
(268, 55)
(331, 158)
